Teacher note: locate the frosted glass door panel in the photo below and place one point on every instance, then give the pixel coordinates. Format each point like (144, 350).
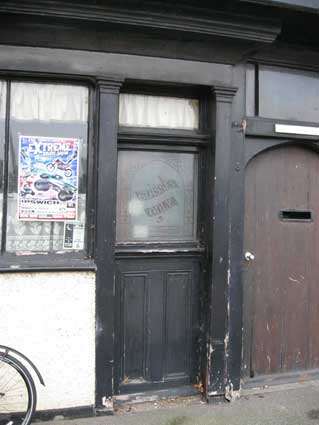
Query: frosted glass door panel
(156, 196)
(158, 112)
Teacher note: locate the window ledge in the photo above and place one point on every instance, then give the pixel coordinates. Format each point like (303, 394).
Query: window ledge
(45, 262)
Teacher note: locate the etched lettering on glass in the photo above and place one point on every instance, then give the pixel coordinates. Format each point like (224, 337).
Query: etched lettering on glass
(156, 196)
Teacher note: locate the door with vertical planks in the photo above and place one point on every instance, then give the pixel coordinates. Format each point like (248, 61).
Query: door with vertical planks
(281, 273)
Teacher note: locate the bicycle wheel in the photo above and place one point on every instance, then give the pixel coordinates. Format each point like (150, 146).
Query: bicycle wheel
(18, 396)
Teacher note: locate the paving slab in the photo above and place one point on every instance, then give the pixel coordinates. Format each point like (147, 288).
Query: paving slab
(284, 405)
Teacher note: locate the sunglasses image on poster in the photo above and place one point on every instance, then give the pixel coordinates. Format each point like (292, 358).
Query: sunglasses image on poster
(48, 178)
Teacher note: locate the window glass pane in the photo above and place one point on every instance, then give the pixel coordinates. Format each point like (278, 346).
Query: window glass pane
(250, 90)
(156, 196)
(47, 167)
(158, 111)
(288, 94)
(3, 91)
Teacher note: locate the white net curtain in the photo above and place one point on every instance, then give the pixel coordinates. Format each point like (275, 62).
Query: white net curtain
(49, 102)
(158, 111)
(36, 235)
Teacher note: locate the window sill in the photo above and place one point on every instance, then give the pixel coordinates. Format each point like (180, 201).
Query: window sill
(45, 262)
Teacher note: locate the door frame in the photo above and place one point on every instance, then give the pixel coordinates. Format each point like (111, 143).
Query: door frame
(220, 356)
(213, 364)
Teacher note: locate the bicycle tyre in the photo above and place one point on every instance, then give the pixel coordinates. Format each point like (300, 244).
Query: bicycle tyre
(16, 417)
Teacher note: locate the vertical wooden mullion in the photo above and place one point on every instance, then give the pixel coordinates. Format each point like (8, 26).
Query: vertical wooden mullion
(91, 175)
(146, 307)
(6, 170)
(108, 106)
(165, 325)
(189, 315)
(256, 90)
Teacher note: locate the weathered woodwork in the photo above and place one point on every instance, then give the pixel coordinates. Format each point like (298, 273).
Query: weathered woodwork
(280, 284)
(157, 322)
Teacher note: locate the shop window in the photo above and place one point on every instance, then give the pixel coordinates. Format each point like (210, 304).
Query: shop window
(44, 166)
(158, 111)
(280, 93)
(157, 196)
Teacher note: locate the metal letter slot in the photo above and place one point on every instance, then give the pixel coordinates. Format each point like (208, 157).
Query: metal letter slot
(295, 215)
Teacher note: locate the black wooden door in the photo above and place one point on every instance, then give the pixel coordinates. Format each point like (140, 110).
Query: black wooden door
(281, 292)
(158, 266)
(157, 323)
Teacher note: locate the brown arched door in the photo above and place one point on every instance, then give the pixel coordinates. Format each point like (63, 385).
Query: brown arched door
(281, 279)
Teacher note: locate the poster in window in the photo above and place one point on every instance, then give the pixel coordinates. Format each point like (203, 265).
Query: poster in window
(48, 178)
(73, 235)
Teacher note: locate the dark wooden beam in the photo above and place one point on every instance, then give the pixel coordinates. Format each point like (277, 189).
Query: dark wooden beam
(236, 217)
(306, 5)
(220, 275)
(108, 101)
(185, 20)
(265, 127)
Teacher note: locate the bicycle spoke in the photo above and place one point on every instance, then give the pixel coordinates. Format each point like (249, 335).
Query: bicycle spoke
(15, 386)
(8, 387)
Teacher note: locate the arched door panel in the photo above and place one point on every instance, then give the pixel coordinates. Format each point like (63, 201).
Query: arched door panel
(281, 283)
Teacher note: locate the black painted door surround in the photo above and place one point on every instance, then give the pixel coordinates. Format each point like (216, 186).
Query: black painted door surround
(148, 337)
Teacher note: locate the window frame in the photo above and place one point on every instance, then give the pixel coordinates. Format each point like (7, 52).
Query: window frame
(258, 126)
(253, 88)
(158, 139)
(62, 260)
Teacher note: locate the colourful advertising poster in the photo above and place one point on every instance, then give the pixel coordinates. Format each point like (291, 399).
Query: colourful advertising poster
(48, 178)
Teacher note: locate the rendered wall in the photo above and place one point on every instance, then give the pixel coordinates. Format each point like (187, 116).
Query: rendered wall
(50, 317)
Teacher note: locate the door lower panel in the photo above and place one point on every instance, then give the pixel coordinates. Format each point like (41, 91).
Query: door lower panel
(157, 323)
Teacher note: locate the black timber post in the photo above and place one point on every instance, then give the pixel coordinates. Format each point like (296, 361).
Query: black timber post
(236, 207)
(219, 309)
(108, 113)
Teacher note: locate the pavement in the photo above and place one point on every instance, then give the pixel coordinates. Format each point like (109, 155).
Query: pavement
(296, 404)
